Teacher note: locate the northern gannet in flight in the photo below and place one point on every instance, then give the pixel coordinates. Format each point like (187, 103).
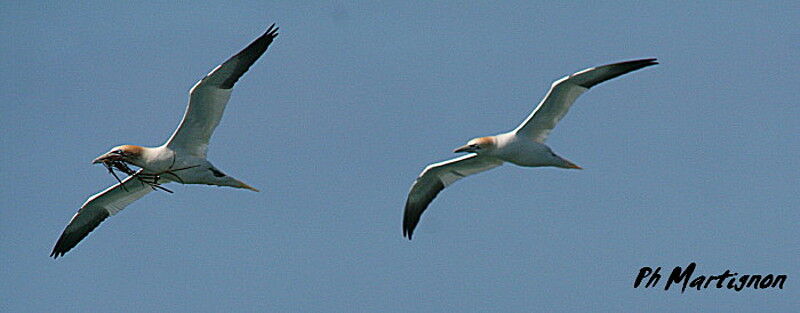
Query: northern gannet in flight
(182, 158)
(523, 146)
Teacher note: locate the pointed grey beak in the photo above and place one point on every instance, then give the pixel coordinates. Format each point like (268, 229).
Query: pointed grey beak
(465, 148)
(107, 157)
(99, 159)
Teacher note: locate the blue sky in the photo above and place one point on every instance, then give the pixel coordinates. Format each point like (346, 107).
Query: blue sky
(693, 160)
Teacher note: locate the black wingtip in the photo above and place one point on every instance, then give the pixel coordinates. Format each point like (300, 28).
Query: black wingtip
(58, 250)
(272, 31)
(649, 62)
(615, 70)
(249, 55)
(409, 222)
(639, 62)
(636, 64)
(416, 207)
(72, 237)
(407, 233)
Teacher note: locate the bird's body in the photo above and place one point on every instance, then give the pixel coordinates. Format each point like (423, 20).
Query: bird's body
(180, 166)
(182, 158)
(523, 146)
(520, 151)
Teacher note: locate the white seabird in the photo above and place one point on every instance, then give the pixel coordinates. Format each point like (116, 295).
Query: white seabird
(182, 158)
(523, 146)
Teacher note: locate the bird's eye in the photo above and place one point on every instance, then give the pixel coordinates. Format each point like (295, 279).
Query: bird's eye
(475, 146)
(117, 152)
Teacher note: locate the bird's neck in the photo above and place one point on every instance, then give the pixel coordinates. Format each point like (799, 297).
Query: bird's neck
(151, 158)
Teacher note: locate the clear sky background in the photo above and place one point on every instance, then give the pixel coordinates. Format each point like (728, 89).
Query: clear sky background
(693, 160)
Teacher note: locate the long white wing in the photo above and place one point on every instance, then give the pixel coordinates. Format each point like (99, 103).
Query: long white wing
(563, 93)
(435, 178)
(207, 99)
(97, 209)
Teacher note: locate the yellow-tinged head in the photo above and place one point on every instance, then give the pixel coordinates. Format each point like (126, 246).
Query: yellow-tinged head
(125, 153)
(477, 145)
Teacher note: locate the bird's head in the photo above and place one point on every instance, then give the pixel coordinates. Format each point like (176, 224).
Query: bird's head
(478, 145)
(125, 153)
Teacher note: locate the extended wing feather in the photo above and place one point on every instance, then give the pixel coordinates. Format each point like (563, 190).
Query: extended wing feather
(208, 98)
(96, 209)
(434, 178)
(563, 92)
